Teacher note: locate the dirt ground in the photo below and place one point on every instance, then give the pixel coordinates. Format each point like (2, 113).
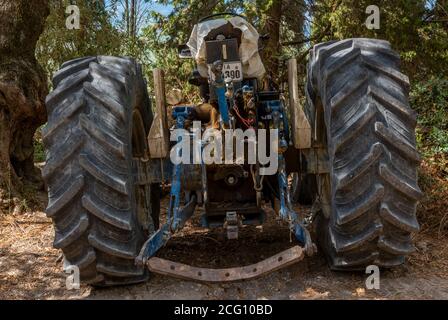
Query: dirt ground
(31, 269)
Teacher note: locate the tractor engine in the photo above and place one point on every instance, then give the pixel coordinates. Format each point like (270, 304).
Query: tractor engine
(229, 74)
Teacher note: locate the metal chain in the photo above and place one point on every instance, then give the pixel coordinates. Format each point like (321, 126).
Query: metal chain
(257, 187)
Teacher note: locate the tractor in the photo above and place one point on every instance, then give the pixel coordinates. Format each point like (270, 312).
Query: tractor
(349, 149)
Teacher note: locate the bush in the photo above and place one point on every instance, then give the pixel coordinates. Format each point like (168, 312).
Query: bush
(430, 100)
(39, 151)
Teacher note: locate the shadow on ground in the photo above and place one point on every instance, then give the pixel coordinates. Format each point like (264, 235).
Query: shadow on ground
(31, 269)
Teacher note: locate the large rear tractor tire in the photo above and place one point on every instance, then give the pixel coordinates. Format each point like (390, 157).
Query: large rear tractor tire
(372, 189)
(99, 115)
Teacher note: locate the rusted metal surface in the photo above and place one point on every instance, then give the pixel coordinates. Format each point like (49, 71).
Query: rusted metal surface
(158, 136)
(184, 271)
(301, 128)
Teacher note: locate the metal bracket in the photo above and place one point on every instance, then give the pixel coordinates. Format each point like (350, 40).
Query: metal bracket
(176, 216)
(286, 212)
(161, 236)
(231, 225)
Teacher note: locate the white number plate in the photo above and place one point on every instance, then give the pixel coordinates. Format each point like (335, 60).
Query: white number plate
(234, 70)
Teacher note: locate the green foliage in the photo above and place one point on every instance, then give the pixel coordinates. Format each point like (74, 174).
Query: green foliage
(416, 30)
(164, 55)
(39, 150)
(430, 99)
(104, 31)
(413, 28)
(406, 24)
(167, 32)
(96, 35)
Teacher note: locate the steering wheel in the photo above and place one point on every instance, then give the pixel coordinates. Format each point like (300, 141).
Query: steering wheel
(221, 14)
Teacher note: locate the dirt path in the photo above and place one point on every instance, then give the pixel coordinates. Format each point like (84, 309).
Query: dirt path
(31, 269)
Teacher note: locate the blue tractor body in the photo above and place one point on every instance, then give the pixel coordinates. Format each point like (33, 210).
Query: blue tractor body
(232, 193)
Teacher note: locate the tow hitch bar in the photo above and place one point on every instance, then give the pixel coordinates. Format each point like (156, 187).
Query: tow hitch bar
(184, 271)
(177, 216)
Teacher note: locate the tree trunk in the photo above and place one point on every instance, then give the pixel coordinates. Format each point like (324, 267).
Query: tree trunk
(127, 17)
(133, 20)
(23, 87)
(271, 52)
